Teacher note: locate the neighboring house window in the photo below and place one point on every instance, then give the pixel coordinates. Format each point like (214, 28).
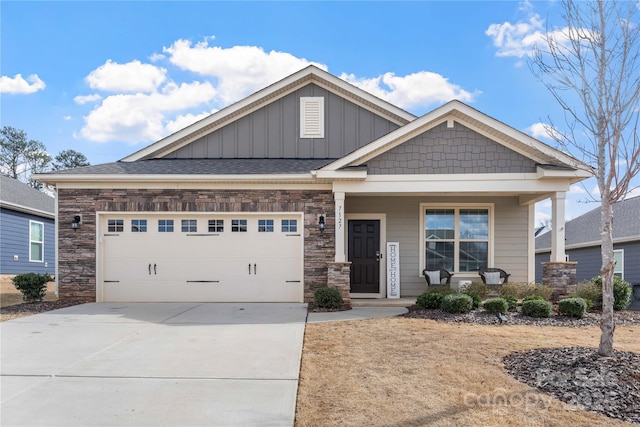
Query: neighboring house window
(216, 225)
(311, 117)
(36, 241)
(265, 226)
(165, 226)
(238, 225)
(618, 270)
(289, 225)
(189, 225)
(139, 225)
(456, 238)
(115, 225)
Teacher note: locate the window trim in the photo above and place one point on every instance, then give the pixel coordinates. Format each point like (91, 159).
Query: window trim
(31, 241)
(456, 207)
(620, 251)
(312, 125)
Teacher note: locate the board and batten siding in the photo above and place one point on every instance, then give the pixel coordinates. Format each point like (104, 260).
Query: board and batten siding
(511, 234)
(273, 131)
(15, 242)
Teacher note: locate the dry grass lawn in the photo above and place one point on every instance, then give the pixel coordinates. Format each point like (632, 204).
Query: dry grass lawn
(417, 372)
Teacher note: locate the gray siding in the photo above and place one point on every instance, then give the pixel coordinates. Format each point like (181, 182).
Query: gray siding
(14, 240)
(273, 131)
(589, 261)
(403, 225)
(450, 151)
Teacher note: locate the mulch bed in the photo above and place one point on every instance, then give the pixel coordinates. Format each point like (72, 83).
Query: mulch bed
(29, 308)
(581, 378)
(313, 308)
(577, 376)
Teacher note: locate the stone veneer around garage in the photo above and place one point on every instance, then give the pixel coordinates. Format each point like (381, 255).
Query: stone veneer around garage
(77, 248)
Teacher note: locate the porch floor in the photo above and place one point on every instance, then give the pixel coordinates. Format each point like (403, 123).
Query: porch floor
(382, 302)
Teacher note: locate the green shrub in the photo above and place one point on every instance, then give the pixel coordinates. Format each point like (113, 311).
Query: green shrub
(533, 298)
(327, 298)
(621, 292)
(572, 307)
(496, 305)
(429, 300)
(457, 303)
(511, 301)
(536, 308)
(592, 292)
(477, 299)
(478, 288)
(588, 302)
(33, 286)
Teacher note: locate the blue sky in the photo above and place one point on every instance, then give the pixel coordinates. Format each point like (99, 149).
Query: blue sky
(108, 78)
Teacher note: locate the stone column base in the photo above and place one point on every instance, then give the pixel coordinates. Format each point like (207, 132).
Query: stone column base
(338, 276)
(561, 276)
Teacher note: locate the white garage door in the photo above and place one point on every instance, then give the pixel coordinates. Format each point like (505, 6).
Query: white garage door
(201, 258)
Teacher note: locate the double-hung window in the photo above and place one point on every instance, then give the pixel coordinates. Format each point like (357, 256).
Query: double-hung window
(36, 241)
(456, 238)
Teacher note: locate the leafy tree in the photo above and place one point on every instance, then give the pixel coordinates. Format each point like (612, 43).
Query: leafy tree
(592, 69)
(19, 156)
(69, 159)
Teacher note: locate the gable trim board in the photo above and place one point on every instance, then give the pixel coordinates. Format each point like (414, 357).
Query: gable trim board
(338, 188)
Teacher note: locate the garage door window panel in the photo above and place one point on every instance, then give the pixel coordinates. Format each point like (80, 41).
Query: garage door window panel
(238, 225)
(165, 226)
(265, 226)
(289, 225)
(189, 225)
(216, 226)
(138, 225)
(115, 225)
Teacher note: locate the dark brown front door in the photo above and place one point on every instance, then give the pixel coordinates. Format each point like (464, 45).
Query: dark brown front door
(364, 254)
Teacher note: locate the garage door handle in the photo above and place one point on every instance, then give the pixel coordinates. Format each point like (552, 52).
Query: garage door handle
(154, 269)
(255, 271)
(149, 269)
(249, 268)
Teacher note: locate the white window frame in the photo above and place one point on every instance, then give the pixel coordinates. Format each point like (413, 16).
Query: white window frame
(311, 117)
(619, 268)
(456, 207)
(31, 241)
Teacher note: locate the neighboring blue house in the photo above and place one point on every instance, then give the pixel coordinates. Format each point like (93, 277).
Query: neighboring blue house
(27, 229)
(582, 240)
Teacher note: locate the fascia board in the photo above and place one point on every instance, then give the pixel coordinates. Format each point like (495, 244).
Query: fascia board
(56, 179)
(592, 244)
(360, 174)
(260, 98)
(25, 209)
(554, 173)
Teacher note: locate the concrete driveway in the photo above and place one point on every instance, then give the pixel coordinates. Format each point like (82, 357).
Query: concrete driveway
(152, 364)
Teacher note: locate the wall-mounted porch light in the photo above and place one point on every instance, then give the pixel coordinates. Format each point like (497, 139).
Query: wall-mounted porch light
(321, 223)
(75, 223)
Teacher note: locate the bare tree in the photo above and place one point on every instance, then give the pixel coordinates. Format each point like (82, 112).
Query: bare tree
(592, 69)
(20, 157)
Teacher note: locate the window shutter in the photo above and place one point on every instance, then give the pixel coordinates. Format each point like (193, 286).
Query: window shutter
(312, 117)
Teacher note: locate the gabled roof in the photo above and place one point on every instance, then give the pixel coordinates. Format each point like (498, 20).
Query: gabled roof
(456, 111)
(310, 74)
(584, 230)
(18, 196)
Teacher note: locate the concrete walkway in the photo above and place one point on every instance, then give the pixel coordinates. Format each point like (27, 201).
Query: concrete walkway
(153, 364)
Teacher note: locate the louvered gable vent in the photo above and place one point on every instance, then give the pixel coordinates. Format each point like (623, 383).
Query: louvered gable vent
(312, 117)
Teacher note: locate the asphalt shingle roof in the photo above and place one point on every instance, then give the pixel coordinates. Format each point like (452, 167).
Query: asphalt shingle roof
(586, 228)
(18, 193)
(202, 167)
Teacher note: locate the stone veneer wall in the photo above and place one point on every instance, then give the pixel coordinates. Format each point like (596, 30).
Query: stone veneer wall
(77, 249)
(561, 276)
(339, 277)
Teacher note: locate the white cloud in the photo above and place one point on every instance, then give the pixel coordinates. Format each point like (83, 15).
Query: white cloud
(87, 98)
(20, 85)
(67, 118)
(135, 118)
(133, 76)
(184, 120)
(577, 189)
(239, 70)
(419, 89)
(541, 131)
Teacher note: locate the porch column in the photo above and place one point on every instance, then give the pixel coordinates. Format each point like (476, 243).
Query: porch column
(557, 227)
(339, 227)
